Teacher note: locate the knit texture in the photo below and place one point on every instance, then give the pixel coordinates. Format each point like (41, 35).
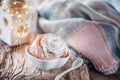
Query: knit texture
(91, 27)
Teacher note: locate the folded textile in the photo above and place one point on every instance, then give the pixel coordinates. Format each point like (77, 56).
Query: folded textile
(105, 9)
(101, 12)
(87, 29)
(98, 44)
(115, 3)
(61, 27)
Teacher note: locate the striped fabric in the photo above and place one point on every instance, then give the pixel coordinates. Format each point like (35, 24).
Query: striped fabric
(98, 44)
(115, 3)
(92, 28)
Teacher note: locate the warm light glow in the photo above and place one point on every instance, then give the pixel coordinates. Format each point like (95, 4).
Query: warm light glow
(25, 6)
(26, 12)
(22, 31)
(14, 3)
(21, 20)
(16, 12)
(8, 10)
(16, 21)
(19, 15)
(12, 27)
(16, 7)
(28, 25)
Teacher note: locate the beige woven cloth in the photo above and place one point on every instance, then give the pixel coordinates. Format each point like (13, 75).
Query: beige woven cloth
(14, 65)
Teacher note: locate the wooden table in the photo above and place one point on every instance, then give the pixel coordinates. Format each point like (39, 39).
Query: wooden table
(14, 65)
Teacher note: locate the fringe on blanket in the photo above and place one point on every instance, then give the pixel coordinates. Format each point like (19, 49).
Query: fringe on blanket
(91, 27)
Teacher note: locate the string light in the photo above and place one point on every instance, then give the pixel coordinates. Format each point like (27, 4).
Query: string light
(16, 12)
(26, 12)
(16, 6)
(25, 6)
(14, 3)
(23, 31)
(19, 9)
(19, 15)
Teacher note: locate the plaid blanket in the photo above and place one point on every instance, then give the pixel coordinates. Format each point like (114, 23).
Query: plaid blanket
(92, 28)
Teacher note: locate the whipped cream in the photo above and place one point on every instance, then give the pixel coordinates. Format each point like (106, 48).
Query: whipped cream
(50, 46)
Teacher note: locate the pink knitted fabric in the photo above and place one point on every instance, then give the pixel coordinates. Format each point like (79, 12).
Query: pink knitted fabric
(90, 40)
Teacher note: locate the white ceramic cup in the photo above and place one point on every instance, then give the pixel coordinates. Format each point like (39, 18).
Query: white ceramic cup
(47, 64)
